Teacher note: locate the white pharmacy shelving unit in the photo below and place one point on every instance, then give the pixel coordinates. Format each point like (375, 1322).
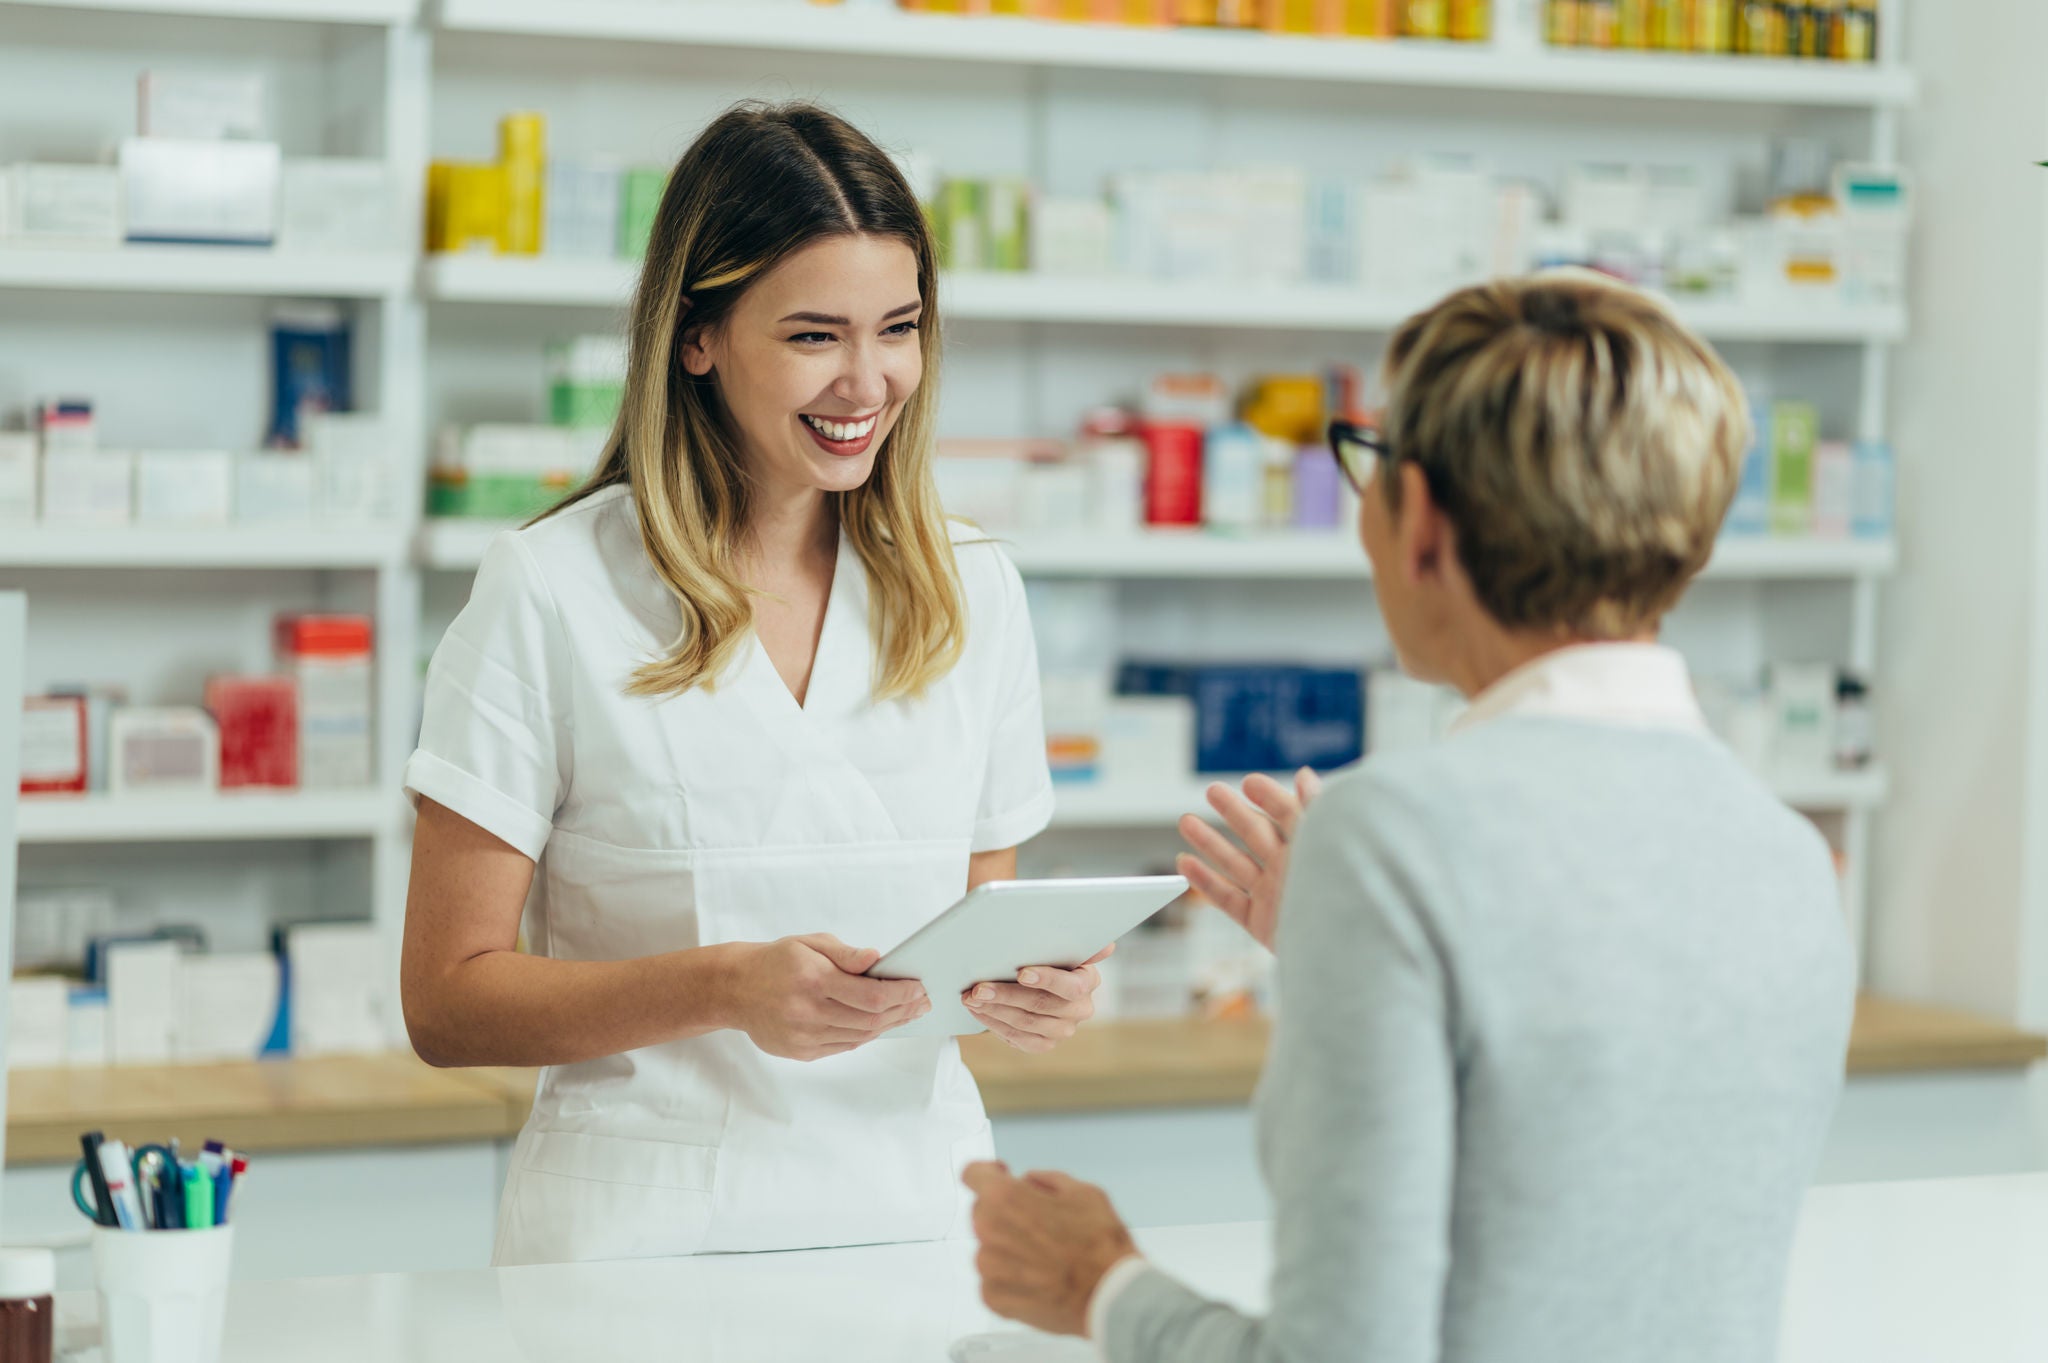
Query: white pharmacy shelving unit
(1063, 106)
(171, 344)
(170, 341)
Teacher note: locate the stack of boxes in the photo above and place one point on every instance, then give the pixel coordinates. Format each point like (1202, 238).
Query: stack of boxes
(526, 203)
(202, 169)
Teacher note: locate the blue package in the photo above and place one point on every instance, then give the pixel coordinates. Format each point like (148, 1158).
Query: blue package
(1262, 717)
(1872, 496)
(309, 369)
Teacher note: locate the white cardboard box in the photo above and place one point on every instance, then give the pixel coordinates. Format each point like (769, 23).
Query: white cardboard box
(206, 106)
(19, 476)
(188, 486)
(73, 204)
(213, 192)
(334, 203)
(89, 489)
(227, 1005)
(142, 1001)
(274, 485)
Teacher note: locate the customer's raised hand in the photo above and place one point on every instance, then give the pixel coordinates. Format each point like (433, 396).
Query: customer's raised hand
(1245, 880)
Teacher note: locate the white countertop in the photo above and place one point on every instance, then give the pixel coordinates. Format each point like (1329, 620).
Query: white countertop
(1883, 1273)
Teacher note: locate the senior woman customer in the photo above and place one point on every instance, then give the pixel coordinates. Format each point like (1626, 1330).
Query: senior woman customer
(1564, 997)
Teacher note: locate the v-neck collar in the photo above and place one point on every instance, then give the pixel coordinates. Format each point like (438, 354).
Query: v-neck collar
(839, 666)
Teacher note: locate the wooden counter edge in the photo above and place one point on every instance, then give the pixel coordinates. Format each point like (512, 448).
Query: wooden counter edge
(1127, 1065)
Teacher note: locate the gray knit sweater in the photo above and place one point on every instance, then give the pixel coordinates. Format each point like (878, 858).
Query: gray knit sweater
(1563, 1008)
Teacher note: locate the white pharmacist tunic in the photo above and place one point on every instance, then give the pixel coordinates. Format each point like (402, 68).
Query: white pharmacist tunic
(723, 815)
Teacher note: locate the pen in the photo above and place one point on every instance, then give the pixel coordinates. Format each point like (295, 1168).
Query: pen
(120, 1183)
(103, 1200)
(237, 1166)
(198, 1197)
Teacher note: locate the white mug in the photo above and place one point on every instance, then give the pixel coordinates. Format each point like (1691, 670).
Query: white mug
(163, 1294)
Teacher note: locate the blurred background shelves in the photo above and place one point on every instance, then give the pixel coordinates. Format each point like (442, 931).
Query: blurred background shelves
(1029, 43)
(203, 270)
(211, 546)
(369, 13)
(226, 817)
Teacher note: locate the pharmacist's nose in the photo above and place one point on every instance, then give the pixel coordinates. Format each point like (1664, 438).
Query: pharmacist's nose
(865, 383)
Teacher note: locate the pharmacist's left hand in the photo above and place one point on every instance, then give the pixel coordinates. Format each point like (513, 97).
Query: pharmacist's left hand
(1043, 1008)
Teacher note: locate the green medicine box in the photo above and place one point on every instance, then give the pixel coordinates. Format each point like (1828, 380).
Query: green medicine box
(1795, 430)
(640, 194)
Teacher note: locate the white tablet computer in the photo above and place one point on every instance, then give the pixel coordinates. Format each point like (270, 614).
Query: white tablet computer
(1005, 925)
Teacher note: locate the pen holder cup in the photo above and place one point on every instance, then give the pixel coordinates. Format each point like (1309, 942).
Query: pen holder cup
(163, 1294)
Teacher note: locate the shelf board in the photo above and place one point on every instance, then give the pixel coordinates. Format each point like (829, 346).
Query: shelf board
(1082, 804)
(359, 12)
(283, 545)
(237, 270)
(1117, 301)
(230, 816)
(456, 544)
(1193, 52)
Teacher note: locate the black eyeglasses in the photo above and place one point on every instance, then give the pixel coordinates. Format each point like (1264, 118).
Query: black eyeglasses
(1359, 451)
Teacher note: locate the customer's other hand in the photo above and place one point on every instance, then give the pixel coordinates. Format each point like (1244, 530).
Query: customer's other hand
(1245, 881)
(1046, 1242)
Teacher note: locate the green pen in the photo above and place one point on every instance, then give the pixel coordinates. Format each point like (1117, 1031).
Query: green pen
(198, 1198)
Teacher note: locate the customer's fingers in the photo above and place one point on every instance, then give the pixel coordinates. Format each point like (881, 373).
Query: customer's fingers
(1218, 851)
(1077, 983)
(1232, 899)
(1277, 801)
(1261, 836)
(1307, 786)
(1016, 1037)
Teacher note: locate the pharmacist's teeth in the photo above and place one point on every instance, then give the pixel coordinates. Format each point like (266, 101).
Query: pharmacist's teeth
(840, 430)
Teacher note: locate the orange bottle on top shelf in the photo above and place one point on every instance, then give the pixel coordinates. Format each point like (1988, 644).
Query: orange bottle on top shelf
(1597, 23)
(1632, 23)
(1425, 18)
(1372, 18)
(1471, 20)
(1711, 26)
(1561, 26)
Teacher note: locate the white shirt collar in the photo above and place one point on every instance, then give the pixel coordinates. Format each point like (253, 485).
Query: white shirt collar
(1637, 685)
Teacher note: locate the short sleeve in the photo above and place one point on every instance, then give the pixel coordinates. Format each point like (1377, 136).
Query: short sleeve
(1016, 794)
(494, 742)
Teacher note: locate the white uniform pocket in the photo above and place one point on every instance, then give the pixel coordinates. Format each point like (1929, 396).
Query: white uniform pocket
(573, 1197)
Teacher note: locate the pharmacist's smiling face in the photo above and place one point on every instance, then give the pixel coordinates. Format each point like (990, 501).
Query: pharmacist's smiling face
(817, 360)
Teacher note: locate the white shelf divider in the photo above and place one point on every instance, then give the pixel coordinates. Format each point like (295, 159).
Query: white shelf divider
(200, 546)
(1110, 805)
(230, 816)
(1195, 52)
(237, 270)
(1114, 301)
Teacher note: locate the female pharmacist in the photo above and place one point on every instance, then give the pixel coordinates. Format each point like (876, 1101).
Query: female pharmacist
(1565, 996)
(741, 711)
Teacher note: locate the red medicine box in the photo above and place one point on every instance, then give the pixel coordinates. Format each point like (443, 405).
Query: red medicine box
(53, 745)
(259, 730)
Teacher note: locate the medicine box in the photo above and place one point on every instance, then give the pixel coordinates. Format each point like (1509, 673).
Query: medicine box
(173, 748)
(203, 106)
(53, 746)
(329, 657)
(68, 204)
(258, 718)
(274, 485)
(89, 489)
(191, 191)
(1795, 431)
(351, 464)
(19, 475)
(194, 487)
(582, 207)
(331, 203)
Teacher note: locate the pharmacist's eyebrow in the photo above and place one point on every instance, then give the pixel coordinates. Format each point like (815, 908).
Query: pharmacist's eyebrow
(821, 319)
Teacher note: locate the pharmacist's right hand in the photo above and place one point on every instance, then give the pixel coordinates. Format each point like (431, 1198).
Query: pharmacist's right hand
(804, 998)
(1246, 881)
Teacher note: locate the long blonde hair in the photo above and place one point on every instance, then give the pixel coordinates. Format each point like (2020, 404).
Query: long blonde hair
(760, 183)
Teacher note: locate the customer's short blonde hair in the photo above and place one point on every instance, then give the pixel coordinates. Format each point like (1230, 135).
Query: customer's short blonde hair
(1583, 443)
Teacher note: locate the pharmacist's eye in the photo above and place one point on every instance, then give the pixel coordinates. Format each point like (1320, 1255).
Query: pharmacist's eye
(901, 329)
(812, 338)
